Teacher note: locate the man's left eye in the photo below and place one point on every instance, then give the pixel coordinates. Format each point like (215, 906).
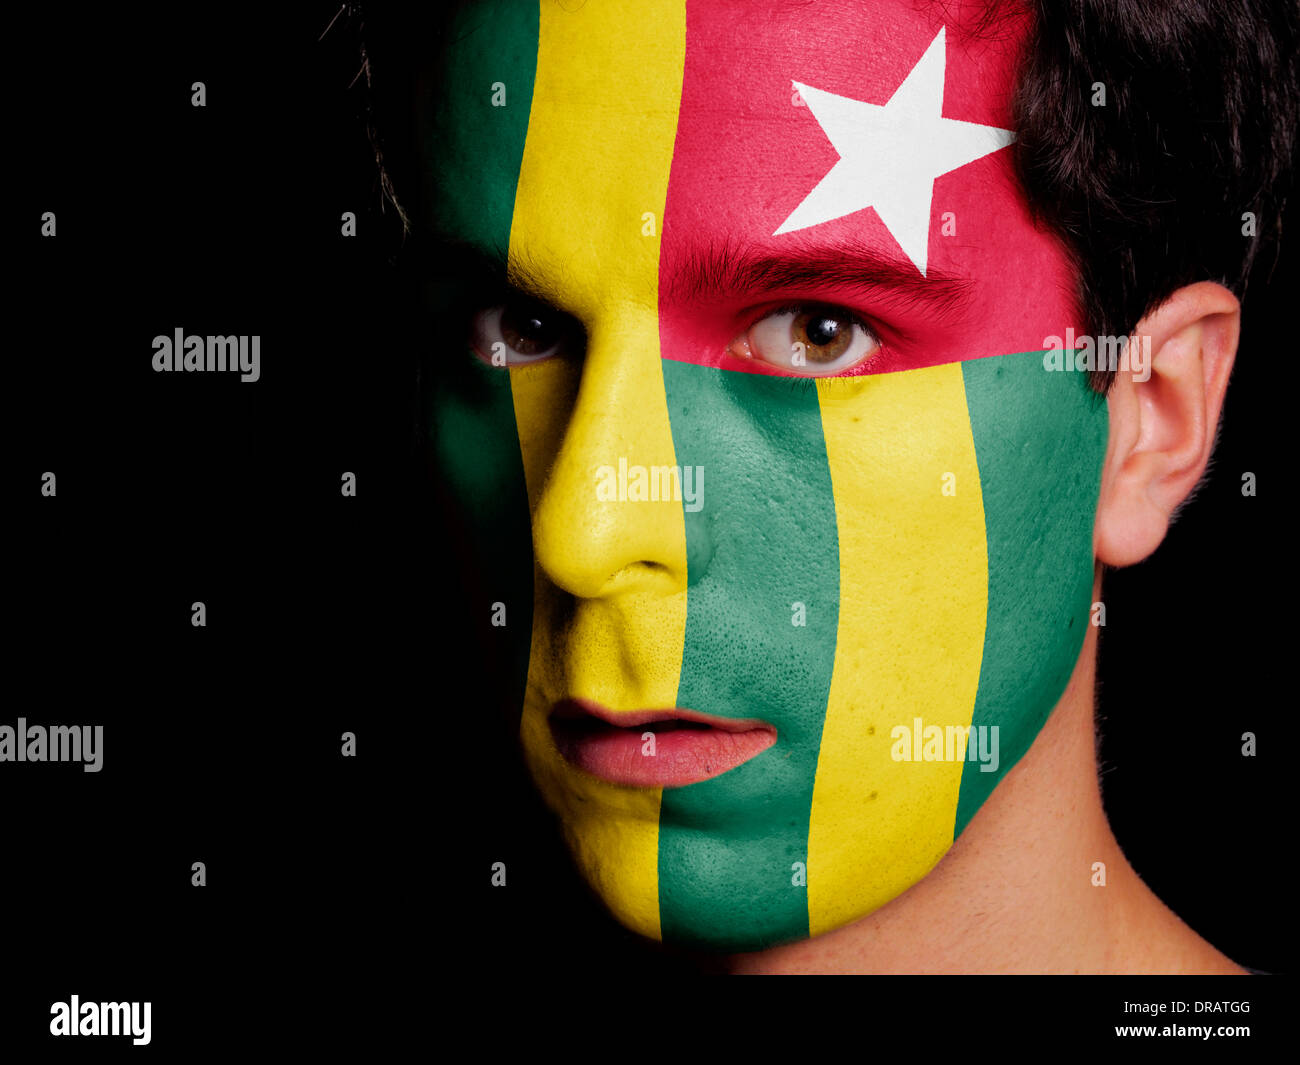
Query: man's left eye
(814, 340)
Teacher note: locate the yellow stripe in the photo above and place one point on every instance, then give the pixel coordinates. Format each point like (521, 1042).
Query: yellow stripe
(596, 162)
(913, 598)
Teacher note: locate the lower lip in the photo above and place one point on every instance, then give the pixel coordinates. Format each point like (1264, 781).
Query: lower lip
(685, 752)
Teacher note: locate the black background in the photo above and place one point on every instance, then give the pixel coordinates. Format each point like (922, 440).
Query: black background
(347, 891)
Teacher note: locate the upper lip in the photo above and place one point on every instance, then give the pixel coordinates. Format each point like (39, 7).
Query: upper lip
(572, 709)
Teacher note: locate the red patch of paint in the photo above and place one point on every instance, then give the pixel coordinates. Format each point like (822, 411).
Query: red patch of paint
(746, 155)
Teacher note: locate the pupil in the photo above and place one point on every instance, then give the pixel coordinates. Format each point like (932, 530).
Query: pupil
(822, 331)
(526, 331)
(827, 334)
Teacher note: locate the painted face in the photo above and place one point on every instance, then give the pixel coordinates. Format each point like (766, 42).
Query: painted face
(773, 491)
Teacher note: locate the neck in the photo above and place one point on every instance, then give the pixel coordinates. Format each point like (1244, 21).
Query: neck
(1016, 893)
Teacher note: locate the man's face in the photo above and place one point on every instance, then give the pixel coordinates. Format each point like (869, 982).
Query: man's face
(773, 494)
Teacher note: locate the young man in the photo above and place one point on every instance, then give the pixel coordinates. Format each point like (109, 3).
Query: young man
(774, 437)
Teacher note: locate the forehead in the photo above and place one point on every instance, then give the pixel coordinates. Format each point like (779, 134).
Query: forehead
(678, 121)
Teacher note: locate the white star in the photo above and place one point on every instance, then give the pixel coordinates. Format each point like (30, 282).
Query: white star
(890, 155)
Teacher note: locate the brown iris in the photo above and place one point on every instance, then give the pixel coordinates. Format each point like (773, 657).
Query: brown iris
(824, 332)
(529, 329)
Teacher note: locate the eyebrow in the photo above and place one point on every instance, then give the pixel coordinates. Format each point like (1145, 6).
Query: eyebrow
(723, 269)
(481, 265)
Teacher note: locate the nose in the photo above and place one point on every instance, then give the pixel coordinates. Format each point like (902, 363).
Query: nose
(610, 519)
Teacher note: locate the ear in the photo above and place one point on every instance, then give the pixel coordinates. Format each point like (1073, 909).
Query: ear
(1162, 429)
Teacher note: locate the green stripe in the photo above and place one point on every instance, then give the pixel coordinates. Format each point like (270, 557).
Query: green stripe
(472, 165)
(765, 538)
(1040, 439)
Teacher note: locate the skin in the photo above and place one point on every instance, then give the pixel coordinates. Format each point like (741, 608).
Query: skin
(643, 606)
(1044, 826)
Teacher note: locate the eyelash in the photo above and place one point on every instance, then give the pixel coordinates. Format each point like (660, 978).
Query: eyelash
(493, 293)
(801, 385)
(795, 306)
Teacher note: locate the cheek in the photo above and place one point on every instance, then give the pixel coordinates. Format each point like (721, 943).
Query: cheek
(965, 520)
(474, 447)
(913, 599)
(762, 603)
(873, 551)
(838, 582)
(763, 580)
(1040, 438)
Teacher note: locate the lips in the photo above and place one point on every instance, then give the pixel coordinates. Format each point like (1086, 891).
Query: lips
(687, 746)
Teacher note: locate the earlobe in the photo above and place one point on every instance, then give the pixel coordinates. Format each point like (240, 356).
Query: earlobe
(1162, 426)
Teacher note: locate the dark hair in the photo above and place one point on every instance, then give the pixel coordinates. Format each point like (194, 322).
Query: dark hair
(1146, 191)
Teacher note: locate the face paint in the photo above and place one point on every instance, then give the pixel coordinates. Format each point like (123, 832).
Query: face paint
(909, 541)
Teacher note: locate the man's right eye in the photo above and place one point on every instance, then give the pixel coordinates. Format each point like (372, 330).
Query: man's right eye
(520, 331)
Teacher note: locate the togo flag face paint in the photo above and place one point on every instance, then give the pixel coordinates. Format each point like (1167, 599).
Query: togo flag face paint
(755, 440)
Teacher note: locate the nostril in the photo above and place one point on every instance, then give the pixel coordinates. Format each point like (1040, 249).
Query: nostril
(638, 572)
